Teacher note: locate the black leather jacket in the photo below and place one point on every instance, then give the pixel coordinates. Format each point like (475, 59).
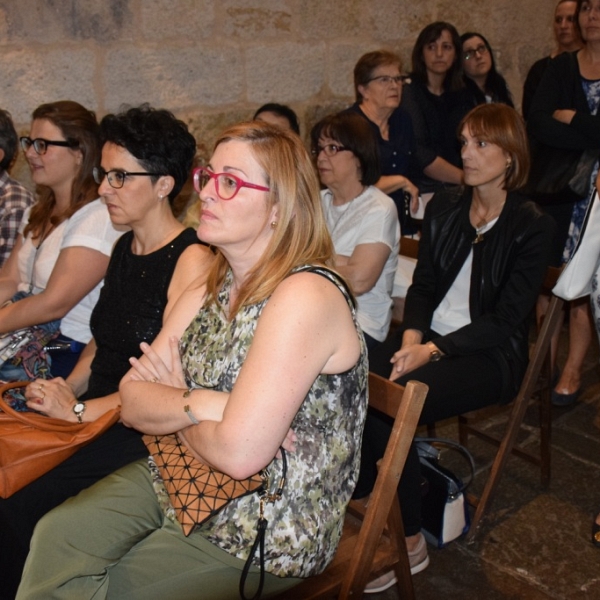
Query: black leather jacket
(509, 266)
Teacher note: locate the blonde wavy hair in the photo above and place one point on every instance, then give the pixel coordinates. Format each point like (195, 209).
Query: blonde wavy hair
(300, 236)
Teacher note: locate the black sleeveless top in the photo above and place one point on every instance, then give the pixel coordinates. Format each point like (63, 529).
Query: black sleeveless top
(130, 308)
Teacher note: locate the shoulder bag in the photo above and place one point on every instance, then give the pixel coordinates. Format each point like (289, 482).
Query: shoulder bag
(32, 444)
(198, 492)
(444, 512)
(575, 281)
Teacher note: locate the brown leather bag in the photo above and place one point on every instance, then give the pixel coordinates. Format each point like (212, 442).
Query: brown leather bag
(196, 490)
(32, 444)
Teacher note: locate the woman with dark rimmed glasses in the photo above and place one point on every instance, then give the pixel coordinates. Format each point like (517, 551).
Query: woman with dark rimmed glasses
(65, 240)
(484, 83)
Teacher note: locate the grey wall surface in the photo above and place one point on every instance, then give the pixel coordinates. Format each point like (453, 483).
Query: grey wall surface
(213, 62)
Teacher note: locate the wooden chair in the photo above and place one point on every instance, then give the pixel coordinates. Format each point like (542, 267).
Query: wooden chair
(367, 549)
(532, 385)
(409, 248)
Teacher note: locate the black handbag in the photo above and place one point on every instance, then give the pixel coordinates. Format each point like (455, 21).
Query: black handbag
(444, 511)
(553, 170)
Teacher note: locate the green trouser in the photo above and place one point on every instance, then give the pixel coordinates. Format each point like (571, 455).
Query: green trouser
(113, 541)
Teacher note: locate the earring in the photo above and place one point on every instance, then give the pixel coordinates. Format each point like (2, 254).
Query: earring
(160, 196)
(273, 224)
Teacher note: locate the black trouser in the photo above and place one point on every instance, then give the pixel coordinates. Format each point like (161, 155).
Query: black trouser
(456, 385)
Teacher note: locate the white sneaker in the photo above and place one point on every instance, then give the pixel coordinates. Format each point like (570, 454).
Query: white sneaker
(418, 559)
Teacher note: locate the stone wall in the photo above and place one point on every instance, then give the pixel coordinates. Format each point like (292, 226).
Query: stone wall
(213, 62)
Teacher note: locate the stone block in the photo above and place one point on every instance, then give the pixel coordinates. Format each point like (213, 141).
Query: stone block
(173, 78)
(252, 19)
(182, 19)
(32, 77)
(392, 20)
(207, 126)
(60, 20)
(285, 72)
(327, 20)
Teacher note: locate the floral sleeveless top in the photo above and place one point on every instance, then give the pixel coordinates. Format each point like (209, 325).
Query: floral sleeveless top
(305, 525)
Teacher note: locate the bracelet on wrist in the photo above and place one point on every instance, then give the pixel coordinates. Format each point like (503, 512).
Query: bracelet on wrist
(188, 411)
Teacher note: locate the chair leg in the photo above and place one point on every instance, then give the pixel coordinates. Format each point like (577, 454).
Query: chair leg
(518, 412)
(402, 568)
(545, 406)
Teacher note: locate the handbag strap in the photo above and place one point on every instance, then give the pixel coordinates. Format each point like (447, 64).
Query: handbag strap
(451, 445)
(261, 526)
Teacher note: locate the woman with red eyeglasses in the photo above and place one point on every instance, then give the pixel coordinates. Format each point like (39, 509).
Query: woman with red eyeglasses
(261, 367)
(64, 242)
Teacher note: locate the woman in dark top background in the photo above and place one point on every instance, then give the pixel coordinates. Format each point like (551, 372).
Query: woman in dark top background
(563, 124)
(567, 39)
(436, 101)
(146, 158)
(378, 88)
(484, 83)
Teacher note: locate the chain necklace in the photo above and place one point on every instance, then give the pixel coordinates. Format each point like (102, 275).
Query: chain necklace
(484, 222)
(46, 232)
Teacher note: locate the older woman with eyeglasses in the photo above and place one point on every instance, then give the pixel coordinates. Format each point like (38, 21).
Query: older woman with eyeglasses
(378, 83)
(362, 220)
(147, 155)
(64, 242)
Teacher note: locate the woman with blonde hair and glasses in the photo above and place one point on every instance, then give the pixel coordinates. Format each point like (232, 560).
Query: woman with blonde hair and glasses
(269, 342)
(65, 239)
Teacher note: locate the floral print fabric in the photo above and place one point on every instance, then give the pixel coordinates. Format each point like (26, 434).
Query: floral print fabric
(305, 525)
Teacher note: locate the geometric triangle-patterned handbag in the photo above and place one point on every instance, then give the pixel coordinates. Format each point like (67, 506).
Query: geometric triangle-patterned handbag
(196, 490)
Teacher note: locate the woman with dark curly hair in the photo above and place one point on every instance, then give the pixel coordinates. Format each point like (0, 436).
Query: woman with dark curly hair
(146, 159)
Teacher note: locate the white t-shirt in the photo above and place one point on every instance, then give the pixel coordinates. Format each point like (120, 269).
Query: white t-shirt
(89, 227)
(454, 312)
(370, 218)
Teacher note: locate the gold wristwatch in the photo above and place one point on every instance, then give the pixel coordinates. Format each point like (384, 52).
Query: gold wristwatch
(434, 353)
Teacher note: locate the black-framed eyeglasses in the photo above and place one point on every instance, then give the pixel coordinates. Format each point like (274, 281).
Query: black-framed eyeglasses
(389, 80)
(116, 177)
(329, 149)
(40, 145)
(226, 184)
(481, 50)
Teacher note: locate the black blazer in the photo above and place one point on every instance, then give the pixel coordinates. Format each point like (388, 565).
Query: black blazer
(509, 266)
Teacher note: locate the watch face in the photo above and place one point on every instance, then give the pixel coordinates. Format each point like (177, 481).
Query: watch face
(79, 407)
(435, 356)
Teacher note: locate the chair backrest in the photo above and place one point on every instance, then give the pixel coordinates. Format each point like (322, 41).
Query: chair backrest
(409, 247)
(404, 405)
(361, 550)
